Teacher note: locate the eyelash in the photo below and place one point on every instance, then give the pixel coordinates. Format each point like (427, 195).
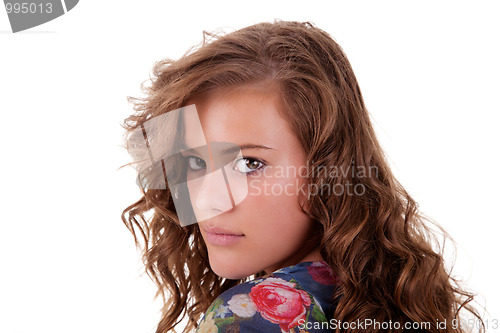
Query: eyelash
(248, 158)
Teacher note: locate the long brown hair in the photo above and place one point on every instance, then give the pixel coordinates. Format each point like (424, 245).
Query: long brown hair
(378, 243)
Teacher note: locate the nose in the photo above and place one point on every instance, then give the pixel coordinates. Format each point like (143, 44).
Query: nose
(210, 195)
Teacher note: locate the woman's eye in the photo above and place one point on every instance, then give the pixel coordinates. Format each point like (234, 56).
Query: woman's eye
(248, 165)
(196, 163)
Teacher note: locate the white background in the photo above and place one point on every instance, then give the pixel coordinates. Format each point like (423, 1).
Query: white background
(429, 72)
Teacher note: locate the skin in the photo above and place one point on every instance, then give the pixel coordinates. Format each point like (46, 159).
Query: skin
(276, 230)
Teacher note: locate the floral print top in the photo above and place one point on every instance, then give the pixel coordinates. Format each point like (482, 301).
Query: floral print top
(280, 302)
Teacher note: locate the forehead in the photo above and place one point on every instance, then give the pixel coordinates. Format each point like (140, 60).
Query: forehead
(250, 113)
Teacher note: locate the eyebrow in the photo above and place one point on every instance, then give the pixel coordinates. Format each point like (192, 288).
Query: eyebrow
(236, 148)
(245, 146)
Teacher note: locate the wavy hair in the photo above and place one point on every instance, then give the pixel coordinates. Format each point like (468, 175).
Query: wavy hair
(387, 258)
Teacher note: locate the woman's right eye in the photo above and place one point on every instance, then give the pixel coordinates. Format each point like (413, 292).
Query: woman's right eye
(195, 163)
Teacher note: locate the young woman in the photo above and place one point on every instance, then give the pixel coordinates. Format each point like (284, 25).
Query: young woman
(303, 228)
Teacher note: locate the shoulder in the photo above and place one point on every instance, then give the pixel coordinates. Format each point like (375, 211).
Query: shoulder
(276, 303)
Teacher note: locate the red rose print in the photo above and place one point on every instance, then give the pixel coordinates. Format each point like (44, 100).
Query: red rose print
(280, 302)
(322, 273)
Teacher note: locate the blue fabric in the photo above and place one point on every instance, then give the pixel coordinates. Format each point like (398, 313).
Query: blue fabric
(292, 299)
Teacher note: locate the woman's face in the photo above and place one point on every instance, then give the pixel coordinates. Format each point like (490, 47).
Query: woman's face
(269, 226)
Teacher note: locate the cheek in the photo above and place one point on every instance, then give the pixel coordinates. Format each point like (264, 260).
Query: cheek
(276, 213)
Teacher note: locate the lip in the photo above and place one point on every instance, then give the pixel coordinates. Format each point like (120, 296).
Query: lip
(222, 237)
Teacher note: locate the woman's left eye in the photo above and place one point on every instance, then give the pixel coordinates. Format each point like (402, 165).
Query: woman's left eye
(248, 165)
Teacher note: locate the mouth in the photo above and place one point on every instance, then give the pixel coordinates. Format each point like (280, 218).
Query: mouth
(221, 237)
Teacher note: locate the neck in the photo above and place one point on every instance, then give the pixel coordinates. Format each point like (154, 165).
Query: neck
(314, 255)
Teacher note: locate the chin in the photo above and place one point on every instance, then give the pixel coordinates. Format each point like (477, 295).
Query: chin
(229, 272)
